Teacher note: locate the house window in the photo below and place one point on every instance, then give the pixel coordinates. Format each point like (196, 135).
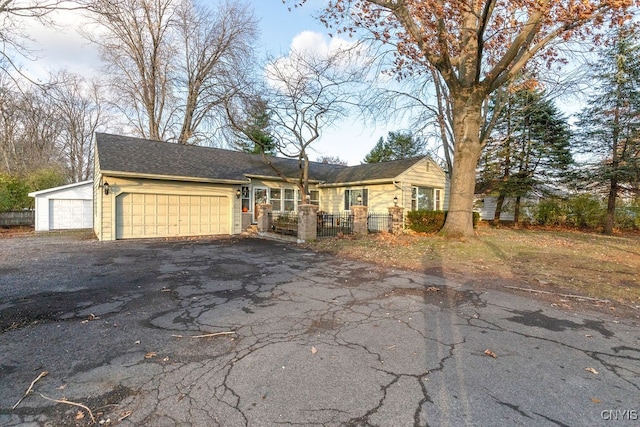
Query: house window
(438, 197)
(289, 199)
(422, 198)
(246, 200)
(275, 196)
(351, 198)
(315, 197)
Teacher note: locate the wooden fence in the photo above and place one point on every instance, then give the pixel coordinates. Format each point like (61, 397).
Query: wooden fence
(17, 218)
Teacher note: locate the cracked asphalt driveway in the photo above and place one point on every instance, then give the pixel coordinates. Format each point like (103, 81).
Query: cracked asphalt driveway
(125, 327)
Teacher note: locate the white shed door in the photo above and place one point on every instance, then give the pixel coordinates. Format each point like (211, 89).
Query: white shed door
(66, 214)
(165, 215)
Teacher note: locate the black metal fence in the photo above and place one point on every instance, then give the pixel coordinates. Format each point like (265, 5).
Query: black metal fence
(332, 225)
(379, 223)
(329, 225)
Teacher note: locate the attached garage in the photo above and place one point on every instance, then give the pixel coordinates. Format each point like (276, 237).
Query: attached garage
(64, 208)
(140, 215)
(151, 189)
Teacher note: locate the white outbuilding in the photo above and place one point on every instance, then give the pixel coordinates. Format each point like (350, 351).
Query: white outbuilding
(64, 208)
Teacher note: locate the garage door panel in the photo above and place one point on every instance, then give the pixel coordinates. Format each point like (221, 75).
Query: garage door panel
(155, 215)
(65, 214)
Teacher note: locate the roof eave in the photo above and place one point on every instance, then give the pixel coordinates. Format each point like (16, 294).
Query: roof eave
(118, 174)
(362, 182)
(62, 187)
(276, 178)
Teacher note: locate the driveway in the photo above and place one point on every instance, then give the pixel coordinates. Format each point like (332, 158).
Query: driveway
(126, 329)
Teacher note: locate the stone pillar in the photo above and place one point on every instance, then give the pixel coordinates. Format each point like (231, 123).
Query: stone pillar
(264, 220)
(360, 214)
(307, 222)
(397, 214)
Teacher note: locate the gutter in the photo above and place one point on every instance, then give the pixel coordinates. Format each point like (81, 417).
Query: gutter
(116, 174)
(277, 178)
(364, 182)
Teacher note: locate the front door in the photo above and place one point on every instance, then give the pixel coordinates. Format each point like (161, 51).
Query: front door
(259, 197)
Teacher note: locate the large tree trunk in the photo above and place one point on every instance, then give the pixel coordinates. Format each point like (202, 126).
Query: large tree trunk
(467, 121)
(498, 211)
(615, 164)
(611, 205)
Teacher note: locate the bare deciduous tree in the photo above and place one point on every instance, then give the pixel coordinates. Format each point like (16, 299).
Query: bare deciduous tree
(13, 35)
(136, 44)
(82, 113)
(29, 130)
(172, 61)
(217, 47)
(305, 93)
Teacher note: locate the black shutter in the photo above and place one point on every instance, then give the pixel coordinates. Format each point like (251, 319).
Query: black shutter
(365, 197)
(346, 200)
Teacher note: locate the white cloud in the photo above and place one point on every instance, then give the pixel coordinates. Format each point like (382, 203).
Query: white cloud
(60, 46)
(322, 46)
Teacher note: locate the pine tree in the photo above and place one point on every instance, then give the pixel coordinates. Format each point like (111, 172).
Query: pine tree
(399, 145)
(530, 145)
(610, 124)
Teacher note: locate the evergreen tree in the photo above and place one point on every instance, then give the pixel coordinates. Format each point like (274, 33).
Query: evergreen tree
(610, 124)
(256, 137)
(399, 145)
(530, 145)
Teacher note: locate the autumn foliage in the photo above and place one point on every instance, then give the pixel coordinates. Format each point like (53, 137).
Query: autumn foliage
(471, 49)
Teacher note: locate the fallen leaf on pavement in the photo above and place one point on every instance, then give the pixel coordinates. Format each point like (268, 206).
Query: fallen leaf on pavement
(79, 415)
(592, 370)
(313, 350)
(150, 355)
(490, 353)
(594, 400)
(433, 289)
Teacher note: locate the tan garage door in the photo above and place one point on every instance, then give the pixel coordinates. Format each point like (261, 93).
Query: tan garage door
(164, 215)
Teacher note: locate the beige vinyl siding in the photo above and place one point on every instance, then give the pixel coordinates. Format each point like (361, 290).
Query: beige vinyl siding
(332, 200)
(425, 173)
(380, 197)
(97, 198)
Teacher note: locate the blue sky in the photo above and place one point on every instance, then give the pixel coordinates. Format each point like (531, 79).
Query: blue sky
(349, 139)
(279, 26)
(64, 48)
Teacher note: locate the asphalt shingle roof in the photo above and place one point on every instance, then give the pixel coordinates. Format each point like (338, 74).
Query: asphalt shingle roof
(124, 154)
